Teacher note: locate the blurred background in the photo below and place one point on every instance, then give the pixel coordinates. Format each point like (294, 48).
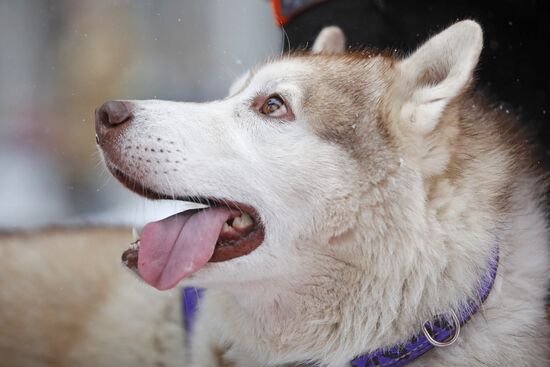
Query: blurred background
(60, 59)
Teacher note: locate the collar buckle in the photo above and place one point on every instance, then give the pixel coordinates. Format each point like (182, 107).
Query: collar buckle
(450, 340)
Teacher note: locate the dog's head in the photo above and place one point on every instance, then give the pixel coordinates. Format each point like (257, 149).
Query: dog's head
(290, 162)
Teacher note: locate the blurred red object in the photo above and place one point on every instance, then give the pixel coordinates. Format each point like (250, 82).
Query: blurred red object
(285, 10)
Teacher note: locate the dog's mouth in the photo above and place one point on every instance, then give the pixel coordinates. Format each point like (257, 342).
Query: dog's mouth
(177, 246)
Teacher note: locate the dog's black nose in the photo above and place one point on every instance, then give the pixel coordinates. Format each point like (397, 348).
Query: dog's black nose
(113, 113)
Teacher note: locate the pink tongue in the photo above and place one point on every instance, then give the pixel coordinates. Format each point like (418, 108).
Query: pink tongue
(177, 246)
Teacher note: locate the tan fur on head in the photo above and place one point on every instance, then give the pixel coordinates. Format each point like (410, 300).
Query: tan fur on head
(331, 40)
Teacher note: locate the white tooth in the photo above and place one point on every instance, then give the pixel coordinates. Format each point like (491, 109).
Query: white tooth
(237, 222)
(134, 245)
(135, 234)
(243, 221)
(226, 227)
(247, 220)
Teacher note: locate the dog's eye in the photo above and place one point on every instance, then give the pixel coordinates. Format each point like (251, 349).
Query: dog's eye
(274, 106)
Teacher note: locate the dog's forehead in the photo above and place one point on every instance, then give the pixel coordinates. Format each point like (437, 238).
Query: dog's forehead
(346, 73)
(280, 71)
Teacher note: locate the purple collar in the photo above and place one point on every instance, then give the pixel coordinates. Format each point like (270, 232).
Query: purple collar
(442, 331)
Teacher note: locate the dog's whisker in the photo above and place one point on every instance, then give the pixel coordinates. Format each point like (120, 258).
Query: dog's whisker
(284, 38)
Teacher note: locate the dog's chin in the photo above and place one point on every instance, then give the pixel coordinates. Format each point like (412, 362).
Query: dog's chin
(225, 230)
(226, 275)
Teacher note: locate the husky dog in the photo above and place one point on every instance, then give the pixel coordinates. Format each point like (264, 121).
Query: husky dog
(355, 201)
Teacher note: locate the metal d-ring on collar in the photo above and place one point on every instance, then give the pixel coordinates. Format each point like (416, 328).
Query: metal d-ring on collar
(447, 342)
(401, 354)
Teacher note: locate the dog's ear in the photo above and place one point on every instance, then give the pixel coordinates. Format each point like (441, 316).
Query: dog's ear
(434, 74)
(331, 40)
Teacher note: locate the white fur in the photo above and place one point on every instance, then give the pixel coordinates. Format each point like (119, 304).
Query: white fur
(358, 252)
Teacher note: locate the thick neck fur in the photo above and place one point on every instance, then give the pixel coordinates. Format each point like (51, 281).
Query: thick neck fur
(411, 254)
